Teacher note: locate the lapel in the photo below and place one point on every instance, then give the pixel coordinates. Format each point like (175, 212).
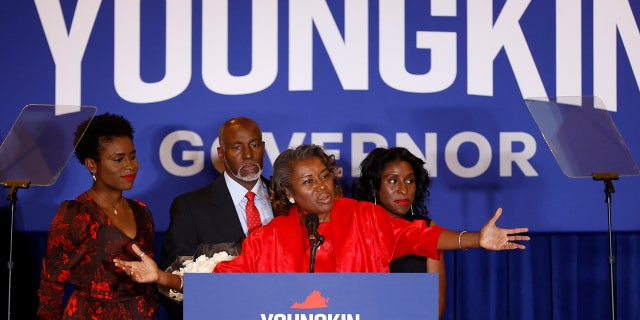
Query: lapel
(219, 202)
(292, 237)
(341, 217)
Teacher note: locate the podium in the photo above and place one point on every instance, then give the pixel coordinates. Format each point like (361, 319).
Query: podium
(371, 296)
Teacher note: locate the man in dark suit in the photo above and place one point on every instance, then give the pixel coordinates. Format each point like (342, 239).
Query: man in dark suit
(216, 213)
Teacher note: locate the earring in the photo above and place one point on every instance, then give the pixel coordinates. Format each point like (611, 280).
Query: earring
(93, 175)
(412, 210)
(375, 200)
(292, 200)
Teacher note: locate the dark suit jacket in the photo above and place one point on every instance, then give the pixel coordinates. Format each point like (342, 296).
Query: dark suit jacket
(205, 215)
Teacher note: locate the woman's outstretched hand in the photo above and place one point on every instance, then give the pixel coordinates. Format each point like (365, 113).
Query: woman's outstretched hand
(143, 271)
(493, 237)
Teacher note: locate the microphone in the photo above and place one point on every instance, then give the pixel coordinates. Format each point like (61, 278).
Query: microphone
(312, 222)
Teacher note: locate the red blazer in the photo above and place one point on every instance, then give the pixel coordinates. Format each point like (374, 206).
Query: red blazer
(365, 239)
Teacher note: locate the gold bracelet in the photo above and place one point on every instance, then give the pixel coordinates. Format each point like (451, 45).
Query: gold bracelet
(460, 240)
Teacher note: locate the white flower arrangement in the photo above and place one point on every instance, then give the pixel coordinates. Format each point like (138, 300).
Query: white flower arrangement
(202, 264)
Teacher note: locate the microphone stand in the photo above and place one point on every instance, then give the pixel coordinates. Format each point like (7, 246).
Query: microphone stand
(315, 244)
(608, 190)
(13, 198)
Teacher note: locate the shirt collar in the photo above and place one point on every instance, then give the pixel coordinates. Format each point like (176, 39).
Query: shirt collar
(237, 191)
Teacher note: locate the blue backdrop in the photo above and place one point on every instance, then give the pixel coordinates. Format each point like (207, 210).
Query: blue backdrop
(445, 78)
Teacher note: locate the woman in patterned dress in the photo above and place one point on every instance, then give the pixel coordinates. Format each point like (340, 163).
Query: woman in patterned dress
(99, 225)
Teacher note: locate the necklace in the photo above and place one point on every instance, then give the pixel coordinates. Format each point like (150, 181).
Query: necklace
(115, 211)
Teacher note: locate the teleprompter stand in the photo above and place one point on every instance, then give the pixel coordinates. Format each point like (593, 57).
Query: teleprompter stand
(586, 143)
(607, 177)
(13, 186)
(34, 153)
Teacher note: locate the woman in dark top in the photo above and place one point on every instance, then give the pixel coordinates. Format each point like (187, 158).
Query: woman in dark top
(88, 232)
(397, 180)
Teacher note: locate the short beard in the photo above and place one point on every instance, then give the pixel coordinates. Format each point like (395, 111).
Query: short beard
(248, 178)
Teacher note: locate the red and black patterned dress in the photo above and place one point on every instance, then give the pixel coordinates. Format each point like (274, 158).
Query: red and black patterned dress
(81, 246)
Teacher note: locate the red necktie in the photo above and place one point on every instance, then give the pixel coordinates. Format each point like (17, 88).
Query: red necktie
(253, 216)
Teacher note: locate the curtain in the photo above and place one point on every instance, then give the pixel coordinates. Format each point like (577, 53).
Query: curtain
(558, 276)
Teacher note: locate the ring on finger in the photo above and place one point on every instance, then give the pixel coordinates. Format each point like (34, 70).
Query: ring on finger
(142, 255)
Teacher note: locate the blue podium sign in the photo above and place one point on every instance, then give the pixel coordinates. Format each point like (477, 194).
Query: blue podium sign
(311, 296)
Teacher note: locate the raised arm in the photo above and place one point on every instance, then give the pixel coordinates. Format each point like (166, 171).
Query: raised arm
(490, 237)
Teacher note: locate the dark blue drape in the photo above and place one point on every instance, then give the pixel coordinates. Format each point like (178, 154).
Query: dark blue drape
(558, 276)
